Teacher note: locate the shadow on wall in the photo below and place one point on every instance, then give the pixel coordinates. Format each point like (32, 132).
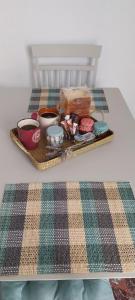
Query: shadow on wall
(30, 65)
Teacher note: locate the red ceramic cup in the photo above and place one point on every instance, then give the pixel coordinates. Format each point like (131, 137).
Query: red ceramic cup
(29, 133)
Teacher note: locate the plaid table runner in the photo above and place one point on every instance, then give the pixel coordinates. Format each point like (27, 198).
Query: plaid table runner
(50, 97)
(67, 227)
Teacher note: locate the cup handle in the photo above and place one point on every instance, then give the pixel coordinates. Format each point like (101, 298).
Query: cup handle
(34, 116)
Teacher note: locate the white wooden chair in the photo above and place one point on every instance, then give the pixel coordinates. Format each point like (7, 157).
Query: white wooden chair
(57, 75)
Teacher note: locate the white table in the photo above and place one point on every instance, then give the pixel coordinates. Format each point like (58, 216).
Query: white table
(113, 161)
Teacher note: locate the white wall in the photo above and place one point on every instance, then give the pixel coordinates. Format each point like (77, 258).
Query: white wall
(110, 23)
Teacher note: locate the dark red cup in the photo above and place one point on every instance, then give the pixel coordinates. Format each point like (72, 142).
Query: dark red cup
(29, 133)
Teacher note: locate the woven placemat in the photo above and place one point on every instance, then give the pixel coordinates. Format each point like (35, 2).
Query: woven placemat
(50, 97)
(67, 227)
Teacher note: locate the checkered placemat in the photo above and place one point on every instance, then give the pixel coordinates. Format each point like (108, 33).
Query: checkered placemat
(67, 227)
(50, 97)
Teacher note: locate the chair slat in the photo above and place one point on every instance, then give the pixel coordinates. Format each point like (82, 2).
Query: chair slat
(54, 79)
(74, 50)
(88, 79)
(65, 67)
(43, 78)
(80, 78)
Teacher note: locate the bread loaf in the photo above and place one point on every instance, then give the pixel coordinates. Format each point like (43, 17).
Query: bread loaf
(75, 100)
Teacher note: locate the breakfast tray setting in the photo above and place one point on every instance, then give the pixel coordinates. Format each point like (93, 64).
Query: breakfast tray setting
(43, 158)
(67, 227)
(61, 125)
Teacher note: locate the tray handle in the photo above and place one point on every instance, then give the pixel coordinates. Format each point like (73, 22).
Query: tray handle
(17, 141)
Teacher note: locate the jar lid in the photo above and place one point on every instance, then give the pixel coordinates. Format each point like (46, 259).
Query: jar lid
(55, 130)
(100, 127)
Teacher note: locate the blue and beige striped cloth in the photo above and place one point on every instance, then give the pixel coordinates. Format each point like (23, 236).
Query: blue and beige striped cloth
(67, 227)
(50, 97)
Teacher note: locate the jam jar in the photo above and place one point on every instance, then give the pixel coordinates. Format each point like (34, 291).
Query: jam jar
(55, 135)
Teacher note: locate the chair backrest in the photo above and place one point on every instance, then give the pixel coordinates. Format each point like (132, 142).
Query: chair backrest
(58, 74)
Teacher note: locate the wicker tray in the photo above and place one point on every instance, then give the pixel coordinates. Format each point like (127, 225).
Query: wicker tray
(70, 149)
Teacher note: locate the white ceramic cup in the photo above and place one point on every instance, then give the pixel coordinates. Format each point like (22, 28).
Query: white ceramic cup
(46, 117)
(46, 120)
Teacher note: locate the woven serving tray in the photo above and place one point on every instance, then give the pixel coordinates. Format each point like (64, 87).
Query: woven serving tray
(39, 156)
